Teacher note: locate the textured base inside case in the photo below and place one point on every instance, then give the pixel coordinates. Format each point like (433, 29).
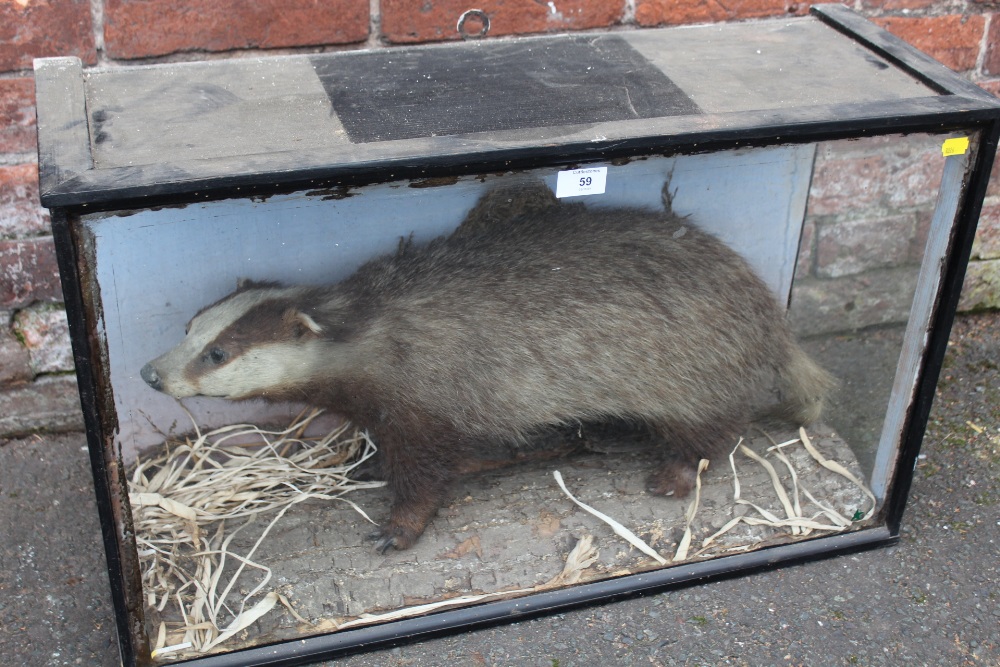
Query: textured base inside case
(513, 529)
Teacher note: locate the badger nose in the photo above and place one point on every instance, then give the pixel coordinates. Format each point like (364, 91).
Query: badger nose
(151, 377)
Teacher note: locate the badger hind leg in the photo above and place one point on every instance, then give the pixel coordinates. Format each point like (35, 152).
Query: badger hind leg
(686, 445)
(419, 470)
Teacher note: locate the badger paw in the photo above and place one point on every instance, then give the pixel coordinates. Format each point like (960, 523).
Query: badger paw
(673, 478)
(395, 537)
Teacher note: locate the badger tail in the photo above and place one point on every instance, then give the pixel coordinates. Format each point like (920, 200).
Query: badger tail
(804, 388)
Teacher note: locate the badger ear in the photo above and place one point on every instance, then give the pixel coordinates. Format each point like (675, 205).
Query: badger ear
(301, 323)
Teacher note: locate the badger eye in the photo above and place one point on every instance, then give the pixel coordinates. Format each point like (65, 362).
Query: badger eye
(217, 355)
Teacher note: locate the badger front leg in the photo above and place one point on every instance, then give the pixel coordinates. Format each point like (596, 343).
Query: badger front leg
(419, 469)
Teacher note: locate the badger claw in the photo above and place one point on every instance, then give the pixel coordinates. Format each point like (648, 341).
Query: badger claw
(382, 541)
(390, 537)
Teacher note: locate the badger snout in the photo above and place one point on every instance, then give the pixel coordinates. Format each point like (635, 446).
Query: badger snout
(152, 377)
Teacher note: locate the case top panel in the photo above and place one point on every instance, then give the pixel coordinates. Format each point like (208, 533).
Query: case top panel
(176, 128)
(223, 108)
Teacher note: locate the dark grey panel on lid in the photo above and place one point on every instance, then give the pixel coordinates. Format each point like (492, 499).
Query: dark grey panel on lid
(390, 95)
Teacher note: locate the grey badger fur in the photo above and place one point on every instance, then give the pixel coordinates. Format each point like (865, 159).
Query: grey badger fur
(532, 314)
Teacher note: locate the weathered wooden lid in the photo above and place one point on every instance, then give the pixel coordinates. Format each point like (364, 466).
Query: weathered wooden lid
(253, 124)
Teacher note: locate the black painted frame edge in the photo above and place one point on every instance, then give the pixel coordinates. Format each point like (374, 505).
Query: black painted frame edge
(90, 192)
(68, 259)
(939, 330)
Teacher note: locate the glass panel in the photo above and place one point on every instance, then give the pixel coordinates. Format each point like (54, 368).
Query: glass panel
(848, 263)
(878, 224)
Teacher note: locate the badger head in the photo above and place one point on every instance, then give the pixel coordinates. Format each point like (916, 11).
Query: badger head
(255, 343)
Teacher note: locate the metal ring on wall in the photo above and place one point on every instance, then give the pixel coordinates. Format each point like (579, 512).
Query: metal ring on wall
(474, 13)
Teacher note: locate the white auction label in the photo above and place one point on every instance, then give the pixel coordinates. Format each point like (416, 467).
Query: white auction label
(579, 182)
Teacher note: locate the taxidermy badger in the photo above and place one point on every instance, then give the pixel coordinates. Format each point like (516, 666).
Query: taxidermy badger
(532, 314)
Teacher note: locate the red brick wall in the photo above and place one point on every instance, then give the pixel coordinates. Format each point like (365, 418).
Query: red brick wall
(870, 207)
(35, 367)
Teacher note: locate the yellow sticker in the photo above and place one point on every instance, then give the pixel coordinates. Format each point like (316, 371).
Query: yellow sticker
(955, 146)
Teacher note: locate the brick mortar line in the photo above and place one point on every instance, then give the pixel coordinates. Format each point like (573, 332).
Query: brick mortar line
(374, 40)
(44, 234)
(984, 45)
(628, 14)
(97, 25)
(17, 159)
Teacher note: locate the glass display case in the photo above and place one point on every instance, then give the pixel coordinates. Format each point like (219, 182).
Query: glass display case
(841, 169)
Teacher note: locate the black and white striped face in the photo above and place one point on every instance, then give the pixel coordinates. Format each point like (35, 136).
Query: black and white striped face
(254, 343)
